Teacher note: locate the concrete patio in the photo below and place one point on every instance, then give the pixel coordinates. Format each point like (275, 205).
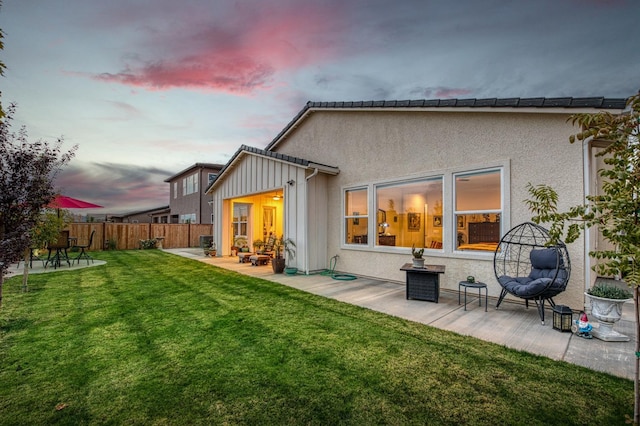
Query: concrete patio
(512, 325)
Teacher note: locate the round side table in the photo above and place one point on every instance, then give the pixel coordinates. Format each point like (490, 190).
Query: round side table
(479, 286)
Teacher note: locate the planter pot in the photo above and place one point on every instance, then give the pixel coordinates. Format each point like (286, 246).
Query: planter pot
(418, 263)
(290, 271)
(278, 265)
(607, 312)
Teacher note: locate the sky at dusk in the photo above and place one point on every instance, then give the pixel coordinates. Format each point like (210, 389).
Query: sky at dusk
(147, 88)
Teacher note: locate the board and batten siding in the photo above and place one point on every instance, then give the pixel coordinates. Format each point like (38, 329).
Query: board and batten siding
(254, 174)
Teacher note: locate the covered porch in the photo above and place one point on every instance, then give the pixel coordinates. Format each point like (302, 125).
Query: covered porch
(260, 193)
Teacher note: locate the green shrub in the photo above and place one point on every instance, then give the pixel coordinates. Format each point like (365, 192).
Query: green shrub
(609, 292)
(148, 244)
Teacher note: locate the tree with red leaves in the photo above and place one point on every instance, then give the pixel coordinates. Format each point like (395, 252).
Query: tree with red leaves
(27, 172)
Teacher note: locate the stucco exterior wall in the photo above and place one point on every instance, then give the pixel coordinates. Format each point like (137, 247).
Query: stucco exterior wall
(376, 146)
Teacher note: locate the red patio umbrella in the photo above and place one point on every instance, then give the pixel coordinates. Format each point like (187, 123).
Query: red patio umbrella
(64, 202)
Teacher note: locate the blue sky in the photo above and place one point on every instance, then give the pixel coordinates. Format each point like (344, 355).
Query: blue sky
(147, 88)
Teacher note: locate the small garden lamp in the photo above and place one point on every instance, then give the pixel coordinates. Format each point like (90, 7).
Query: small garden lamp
(562, 318)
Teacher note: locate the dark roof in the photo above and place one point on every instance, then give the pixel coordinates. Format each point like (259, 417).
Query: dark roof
(598, 103)
(606, 103)
(150, 211)
(278, 156)
(272, 154)
(196, 166)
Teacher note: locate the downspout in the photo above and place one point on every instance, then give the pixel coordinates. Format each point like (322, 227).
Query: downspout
(586, 170)
(315, 172)
(306, 203)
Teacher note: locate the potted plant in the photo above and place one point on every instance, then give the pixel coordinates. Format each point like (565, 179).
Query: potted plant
(257, 245)
(281, 247)
(606, 306)
(238, 243)
(289, 249)
(418, 260)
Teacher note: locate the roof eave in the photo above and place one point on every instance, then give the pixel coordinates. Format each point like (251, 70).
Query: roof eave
(566, 105)
(245, 150)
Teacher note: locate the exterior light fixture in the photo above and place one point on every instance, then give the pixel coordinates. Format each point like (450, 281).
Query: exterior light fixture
(276, 197)
(562, 318)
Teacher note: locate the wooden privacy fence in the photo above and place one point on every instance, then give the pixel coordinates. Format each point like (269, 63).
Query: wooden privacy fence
(127, 236)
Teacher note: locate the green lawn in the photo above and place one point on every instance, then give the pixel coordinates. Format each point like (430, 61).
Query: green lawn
(153, 338)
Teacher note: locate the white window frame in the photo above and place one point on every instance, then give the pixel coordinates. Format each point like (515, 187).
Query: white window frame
(190, 184)
(399, 183)
(503, 211)
(345, 217)
(448, 212)
(188, 218)
(239, 222)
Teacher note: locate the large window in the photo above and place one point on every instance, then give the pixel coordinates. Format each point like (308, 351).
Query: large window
(410, 214)
(356, 216)
(454, 211)
(190, 184)
(478, 210)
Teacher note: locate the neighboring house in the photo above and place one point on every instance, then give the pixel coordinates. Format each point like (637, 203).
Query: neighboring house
(368, 180)
(156, 215)
(187, 198)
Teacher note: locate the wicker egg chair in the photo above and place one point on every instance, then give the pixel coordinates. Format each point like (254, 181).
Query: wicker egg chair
(528, 268)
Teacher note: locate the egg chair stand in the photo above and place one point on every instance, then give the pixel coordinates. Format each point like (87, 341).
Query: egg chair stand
(527, 267)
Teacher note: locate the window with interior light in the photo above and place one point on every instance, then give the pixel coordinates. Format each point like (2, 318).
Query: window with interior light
(410, 214)
(356, 220)
(478, 208)
(240, 221)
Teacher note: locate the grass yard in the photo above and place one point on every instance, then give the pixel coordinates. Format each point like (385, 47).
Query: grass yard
(153, 338)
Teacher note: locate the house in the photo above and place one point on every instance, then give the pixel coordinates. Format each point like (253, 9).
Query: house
(187, 199)
(155, 215)
(368, 180)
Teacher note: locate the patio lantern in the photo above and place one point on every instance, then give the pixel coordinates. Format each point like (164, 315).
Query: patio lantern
(562, 318)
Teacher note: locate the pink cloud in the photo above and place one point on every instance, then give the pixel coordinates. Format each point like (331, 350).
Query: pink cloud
(239, 55)
(452, 93)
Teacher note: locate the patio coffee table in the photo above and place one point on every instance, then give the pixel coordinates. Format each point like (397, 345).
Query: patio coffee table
(259, 259)
(423, 283)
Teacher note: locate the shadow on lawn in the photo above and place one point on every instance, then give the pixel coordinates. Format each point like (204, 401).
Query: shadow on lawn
(14, 324)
